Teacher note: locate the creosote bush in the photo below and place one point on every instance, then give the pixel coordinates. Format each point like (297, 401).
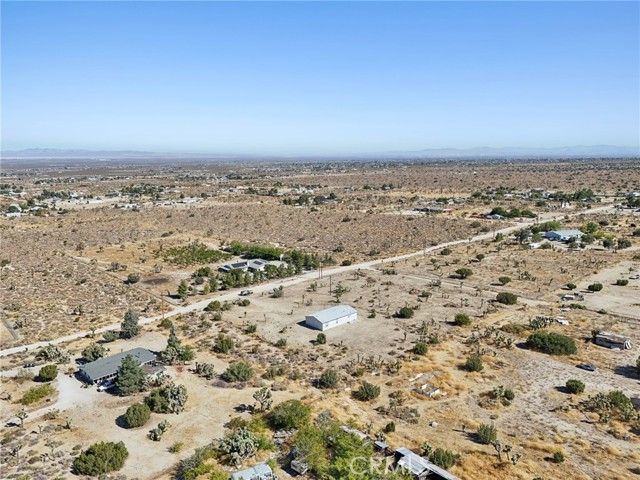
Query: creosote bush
(574, 386)
(486, 434)
(552, 343)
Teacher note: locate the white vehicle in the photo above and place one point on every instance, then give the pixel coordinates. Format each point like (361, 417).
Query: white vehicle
(244, 293)
(106, 386)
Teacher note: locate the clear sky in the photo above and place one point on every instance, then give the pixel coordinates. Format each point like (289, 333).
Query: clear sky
(307, 78)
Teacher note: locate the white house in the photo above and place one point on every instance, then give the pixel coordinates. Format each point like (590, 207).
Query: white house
(331, 317)
(563, 235)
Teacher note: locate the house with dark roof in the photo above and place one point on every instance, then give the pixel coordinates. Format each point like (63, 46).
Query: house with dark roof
(107, 368)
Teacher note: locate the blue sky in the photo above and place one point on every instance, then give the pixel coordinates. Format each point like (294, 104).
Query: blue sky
(318, 78)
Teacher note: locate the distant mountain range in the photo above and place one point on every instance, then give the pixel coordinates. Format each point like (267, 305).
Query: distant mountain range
(587, 151)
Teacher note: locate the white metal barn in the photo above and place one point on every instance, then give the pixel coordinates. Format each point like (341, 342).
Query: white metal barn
(331, 317)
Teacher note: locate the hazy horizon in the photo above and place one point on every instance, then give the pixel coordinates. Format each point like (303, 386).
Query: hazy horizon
(319, 78)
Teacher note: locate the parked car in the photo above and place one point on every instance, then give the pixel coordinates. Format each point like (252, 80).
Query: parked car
(106, 386)
(244, 293)
(29, 365)
(634, 277)
(586, 366)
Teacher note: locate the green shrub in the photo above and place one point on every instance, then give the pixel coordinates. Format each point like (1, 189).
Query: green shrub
(622, 282)
(328, 379)
(507, 298)
(558, 457)
(101, 458)
(238, 372)
(35, 394)
(281, 343)
(420, 348)
(446, 251)
(462, 319)
(571, 286)
(321, 339)
(223, 344)
(595, 287)
(504, 280)
(473, 364)
(509, 395)
(290, 414)
(366, 392)
(137, 415)
(405, 312)
(552, 343)
(390, 427)
(48, 373)
(487, 434)
(575, 386)
(444, 458)
(464, 272)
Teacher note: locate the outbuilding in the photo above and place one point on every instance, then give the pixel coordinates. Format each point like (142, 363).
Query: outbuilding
(331, 317)
(419, 467)
(107, 368)
(261, 471)
(611, 340)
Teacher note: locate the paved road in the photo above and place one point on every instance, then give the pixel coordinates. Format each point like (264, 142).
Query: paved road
(267, 287)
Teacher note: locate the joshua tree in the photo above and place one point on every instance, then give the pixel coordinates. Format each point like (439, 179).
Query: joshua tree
(264, 398)
(22, 414)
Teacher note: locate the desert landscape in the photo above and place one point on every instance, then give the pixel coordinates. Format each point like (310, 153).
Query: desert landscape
(472, 320)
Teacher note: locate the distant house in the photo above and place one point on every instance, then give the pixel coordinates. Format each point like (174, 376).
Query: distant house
(563, 235)
(261, 471)
(255, 265)
(331, 317)
(420, 468)
(107, 368)
(610, 340)
(226, 268)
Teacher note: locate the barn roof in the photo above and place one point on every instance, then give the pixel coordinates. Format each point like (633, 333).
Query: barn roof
(333, 313)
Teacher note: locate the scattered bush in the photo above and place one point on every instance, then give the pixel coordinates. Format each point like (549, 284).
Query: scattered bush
(238, 372)
(487, 434)
(504, 280)
(444, 458)
(366, 392)
(290, 414)
(622, 282)
(571, 286)
(390, 427)
(137, 415)
(101, 458)
(464, 272)
(405, 312)
(473, 364)
(48, 373)
(35, 394)
(552, 343)
(328, 379)
(574, 386)
(558, 457)
(420, 348)
(223, 344)
(93, 352)
(462, 319)
(133, 278)
(507, 298)
(321, 339)
(595, 287)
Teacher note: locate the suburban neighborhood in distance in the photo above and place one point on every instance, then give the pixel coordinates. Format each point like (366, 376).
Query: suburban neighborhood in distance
(320, 240)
